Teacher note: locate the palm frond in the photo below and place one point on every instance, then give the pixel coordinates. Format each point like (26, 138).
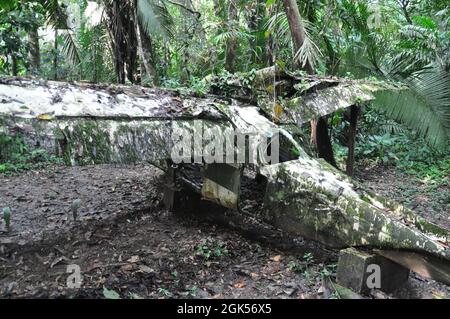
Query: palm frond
(278, 25)
(309, 52)
(414, 32)
(404, 64)
(224, 36)
(155, 17)
(391, 127)
(70, 48)
(57, 18)
(424, 107)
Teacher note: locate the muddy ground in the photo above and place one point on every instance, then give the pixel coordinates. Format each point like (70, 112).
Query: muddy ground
(126, 244)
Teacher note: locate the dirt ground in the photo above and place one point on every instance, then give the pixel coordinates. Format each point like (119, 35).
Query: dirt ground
(431, 203)
(125, 242)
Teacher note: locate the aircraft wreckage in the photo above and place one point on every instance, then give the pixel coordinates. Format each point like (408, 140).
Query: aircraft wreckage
(94, 124)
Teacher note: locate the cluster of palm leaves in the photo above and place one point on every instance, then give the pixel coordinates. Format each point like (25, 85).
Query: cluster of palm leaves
(418, 58)
(423, 65)
(153, 15)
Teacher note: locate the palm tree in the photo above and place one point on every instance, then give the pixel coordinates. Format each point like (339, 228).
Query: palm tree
(422, 66)
(57, 18)
(305, 57)
(132, 24)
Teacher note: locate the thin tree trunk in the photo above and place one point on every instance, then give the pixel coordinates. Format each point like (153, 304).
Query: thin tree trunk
(184, 53)
(351, 140)
(253, 25)
(404, 5)
(14, 64)
(94, 63)
(116, 34)
(55, 57)
(270, 44)
(129, 22)
(297, 31)
(35, 53)
(144, 48)
(230, 61)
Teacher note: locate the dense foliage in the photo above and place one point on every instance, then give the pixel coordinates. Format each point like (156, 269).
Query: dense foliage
(180, 43)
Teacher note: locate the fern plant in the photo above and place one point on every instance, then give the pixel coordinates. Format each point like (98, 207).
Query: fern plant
(423, 106)
(155, 17)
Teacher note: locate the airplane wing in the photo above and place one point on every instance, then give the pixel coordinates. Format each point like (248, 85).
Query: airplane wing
(95, 124)
(289, 98)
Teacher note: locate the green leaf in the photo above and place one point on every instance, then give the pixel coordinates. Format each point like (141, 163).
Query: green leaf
(155, 18)
(110, 294)
(423, 107)
(7, 4)
(269, 3)
(425, 22)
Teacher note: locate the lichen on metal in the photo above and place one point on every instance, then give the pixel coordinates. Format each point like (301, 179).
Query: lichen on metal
(325, 207)
(118, 124)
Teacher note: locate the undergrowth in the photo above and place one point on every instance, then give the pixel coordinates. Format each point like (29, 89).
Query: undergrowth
(381, 141)
(17, 156)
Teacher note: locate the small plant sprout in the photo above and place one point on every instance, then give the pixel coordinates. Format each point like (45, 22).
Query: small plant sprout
(164, 292)
(193, 291)
(308, 258)
(7, 218)
(295, 267)
(75, 207)
(328, 271)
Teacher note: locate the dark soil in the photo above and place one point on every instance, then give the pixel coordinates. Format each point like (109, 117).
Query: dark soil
(430, 201)
(125, 241)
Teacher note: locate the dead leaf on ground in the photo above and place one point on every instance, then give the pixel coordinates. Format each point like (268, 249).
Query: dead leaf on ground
(277, 258)
(146, 269)
(133, 259)
(57, 261)
(254, 275)
(127, 267)
(239, 285)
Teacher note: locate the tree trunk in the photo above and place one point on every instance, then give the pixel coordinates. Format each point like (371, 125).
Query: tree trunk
(297, 31)
(319, 131)
(14, 66)
(55, 57)
(254, 22)
(145, 52)
(129, 20)
(116, 34)
(94, 64)
(351, 140)
(34, 54)
(404, 5)
(230, 62)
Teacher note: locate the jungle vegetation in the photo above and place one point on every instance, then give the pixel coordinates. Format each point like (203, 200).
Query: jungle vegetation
(180, 43)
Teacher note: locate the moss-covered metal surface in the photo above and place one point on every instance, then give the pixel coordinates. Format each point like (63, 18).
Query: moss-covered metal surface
(289, 98)
(305, 196)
